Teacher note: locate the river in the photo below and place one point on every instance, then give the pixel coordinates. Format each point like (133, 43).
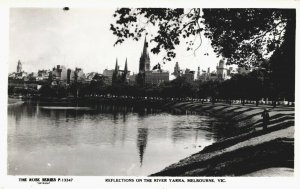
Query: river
(104, 140)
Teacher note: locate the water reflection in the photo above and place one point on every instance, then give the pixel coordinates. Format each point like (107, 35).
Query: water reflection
(106, 140)
(142, 138)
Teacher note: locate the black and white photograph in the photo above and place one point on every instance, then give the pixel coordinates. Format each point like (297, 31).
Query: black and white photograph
(151, 91)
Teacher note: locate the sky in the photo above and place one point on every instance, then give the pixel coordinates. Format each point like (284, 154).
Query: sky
(44, 37)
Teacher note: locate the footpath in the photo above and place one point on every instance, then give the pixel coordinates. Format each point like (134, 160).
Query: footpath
(254, 152)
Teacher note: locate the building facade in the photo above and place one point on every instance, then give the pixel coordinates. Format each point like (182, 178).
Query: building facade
(189, 75)
(221, 70)
(60, 73)
(42, 75)
(108, 73)
(148, 76)
(156, 77)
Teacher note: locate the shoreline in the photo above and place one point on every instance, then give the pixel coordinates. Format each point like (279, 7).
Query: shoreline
(14, 102)
(253, 151)
(250, 151)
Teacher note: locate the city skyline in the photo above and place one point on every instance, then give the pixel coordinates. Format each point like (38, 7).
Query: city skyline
(74, 42)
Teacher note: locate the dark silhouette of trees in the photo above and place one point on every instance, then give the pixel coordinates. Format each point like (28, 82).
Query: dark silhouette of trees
(97, 85)
(240, 35)
(245, 37)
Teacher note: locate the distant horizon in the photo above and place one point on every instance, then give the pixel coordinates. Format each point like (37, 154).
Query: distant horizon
(42, 38)
(100, 72)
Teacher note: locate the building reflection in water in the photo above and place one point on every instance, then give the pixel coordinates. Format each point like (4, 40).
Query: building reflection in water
(142, 137)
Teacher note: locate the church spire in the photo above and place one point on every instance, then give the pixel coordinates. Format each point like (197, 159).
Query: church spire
(115, 73)
(125, 72)
(145, 59)
(116, 67)
(145, 47)
(125, 68)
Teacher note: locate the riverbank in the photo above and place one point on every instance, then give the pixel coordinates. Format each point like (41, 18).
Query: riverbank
(14, 102)
(251, 152)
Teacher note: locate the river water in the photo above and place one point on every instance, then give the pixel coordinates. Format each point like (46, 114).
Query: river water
(106, 140)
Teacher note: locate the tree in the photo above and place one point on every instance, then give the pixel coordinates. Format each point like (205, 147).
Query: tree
(241, 35)
(97, 85)
(245, 37)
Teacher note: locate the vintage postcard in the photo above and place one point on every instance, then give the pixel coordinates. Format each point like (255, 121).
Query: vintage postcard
(135, 95)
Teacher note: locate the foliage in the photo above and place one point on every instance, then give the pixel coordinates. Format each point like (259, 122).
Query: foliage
(243, 36)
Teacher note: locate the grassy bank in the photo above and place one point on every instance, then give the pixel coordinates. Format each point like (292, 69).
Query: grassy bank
(253, 150)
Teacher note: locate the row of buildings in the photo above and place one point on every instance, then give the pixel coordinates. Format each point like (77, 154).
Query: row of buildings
(60, 74)
(222, 72)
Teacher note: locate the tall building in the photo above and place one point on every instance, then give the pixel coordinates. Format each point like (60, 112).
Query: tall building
(70, 75)
(144, 60)
(198, 72)
(79, 74)
(176, 72)
(148, 76)
(108, 74)
(221, 70)
(19, 67)
(60, 73)
(189, 75)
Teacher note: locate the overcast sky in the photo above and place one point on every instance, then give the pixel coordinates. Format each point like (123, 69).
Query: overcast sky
(44, 37)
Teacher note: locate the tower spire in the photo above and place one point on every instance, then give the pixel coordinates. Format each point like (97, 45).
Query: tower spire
(19, 67)
(115, 73)
(125, 68)
(116, 66)
(145, 59)
(145, 46)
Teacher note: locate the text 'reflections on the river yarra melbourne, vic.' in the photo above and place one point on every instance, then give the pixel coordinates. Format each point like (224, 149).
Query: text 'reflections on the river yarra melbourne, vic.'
(151, 92)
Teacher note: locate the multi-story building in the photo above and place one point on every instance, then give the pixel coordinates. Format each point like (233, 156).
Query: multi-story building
(177, 70)
(108, 73)
(42, 75)
(60, 73)
(213, 76)
(20, 74)
(154, 77)
(221, 70)
(198, 72)
(80, 74)
(189, 75)
(70, 76)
